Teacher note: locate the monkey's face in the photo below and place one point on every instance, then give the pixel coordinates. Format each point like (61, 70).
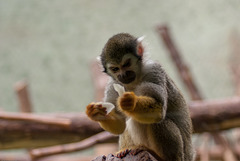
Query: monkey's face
(126, 71)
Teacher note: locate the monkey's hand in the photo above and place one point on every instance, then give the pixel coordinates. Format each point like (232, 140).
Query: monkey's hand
(143, 109)
(127, 102)
(96, 112)
(112, 122)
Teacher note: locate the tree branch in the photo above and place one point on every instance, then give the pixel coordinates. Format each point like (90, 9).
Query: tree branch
(84, 144)
(182, 68)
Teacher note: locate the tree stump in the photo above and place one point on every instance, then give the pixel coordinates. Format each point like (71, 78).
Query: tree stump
(141, 156)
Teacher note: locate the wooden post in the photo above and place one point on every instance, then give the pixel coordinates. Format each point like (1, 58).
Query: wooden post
(235, 60)
(24, 102)
(235, 68)
(204, 156)
(228, 154)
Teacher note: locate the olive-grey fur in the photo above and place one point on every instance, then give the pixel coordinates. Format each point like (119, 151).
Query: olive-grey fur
(170, 138)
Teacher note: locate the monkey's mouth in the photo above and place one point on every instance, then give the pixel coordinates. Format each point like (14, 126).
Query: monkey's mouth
(127, 78)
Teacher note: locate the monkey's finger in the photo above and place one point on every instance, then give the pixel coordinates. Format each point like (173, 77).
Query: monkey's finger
(99, 115)
(127, 94)
(89, 109)
(100, 112)
(98, 106)
(89, 106)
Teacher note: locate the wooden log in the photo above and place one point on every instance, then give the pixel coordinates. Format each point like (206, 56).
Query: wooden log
(32, 134)
(22, 92)
(183, 70)
(46, 120)
(215, 115)
(207, 116)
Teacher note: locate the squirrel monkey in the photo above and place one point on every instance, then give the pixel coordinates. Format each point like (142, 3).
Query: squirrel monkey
(152, 113)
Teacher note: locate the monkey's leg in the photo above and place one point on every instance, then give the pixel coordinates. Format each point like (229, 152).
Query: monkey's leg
(134, 150)
(143, 109)
(126, 145)
(168, 137)
(113, 122)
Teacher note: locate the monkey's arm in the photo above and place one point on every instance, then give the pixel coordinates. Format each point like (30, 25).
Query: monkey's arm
(143, 108)
(149, 102)
(113, 122)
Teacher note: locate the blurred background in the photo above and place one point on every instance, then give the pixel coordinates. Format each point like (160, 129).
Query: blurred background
(51, 44)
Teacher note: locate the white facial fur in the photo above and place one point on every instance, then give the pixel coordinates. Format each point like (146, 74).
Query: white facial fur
(121, 68)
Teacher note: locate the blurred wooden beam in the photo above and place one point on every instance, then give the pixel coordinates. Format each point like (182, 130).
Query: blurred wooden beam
(29, 133)
(207, 116)
(23, 95)
(187, 79)
(235, 60)
(183, 70)
(215, 115)
(235, 68)
(228, 153)
(204, 156)
(66, 148)
(34, 118)
(8, 157)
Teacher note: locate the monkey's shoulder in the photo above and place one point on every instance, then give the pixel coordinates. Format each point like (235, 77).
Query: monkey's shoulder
(153, 71)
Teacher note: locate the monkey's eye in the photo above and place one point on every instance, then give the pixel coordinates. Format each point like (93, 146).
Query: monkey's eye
(114, 69)
(127, 63)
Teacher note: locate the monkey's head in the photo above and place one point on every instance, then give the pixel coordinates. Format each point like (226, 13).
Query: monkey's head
(122, 57)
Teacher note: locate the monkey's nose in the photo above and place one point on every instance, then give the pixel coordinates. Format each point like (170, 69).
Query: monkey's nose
(127, 77)
(127, 74)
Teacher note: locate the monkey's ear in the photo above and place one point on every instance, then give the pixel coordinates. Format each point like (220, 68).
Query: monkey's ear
(98, 58)
(99, 64)
(140, 48)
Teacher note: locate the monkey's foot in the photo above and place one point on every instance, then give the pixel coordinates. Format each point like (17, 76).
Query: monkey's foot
(125, 152)
(135, 151)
